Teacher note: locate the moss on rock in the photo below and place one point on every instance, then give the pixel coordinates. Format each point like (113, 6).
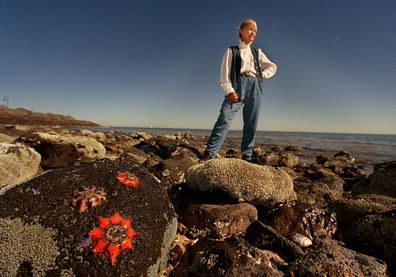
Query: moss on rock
(22, 243)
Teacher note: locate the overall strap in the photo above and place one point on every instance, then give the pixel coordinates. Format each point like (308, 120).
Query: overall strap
(256, 61)
(235, 65)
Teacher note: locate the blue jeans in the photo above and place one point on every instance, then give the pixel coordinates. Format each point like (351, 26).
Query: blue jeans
(250, 91)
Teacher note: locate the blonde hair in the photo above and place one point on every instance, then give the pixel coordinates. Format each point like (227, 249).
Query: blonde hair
(247, 23)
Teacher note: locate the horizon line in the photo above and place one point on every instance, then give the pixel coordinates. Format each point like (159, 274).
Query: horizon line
(239, 130)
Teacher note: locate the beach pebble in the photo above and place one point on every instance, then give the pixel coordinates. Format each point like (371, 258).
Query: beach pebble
(300, 240)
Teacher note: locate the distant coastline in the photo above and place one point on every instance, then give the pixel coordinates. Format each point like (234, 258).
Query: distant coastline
(366, 147)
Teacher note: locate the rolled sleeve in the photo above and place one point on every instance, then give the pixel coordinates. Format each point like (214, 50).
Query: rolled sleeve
(225, 73)
(268, 67)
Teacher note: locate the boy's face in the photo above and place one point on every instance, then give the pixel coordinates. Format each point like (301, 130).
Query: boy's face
(248, 33)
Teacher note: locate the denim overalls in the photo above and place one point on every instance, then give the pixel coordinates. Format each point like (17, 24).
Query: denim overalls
(249, 90)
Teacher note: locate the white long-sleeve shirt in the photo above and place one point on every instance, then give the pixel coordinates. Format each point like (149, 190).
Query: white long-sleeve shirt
(268, 68)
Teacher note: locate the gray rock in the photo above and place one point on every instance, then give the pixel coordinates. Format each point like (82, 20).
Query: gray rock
(218, 220)
(331, 259)
(247, 182)
(265, 237)
(60, 150)
(18, 163)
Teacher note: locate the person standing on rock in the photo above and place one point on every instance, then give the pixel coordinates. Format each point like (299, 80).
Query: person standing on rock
(243, 70)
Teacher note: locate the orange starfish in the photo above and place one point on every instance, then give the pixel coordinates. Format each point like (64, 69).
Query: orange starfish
(113, 235)
(128, 179)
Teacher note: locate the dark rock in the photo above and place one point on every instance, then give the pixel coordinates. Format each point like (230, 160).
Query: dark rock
(150, 148)
(167, 146)
(232, 257)
(152, 161)
(331, 259)
(277, 148)
(174, 169)
(272, 159)
(137, 154)
(313, 222)
(351, 210)
(321, 192)
(46, 201)
(381, 181)
(265, 237)
(289, 160)
(322, 159)
(293, 148)
(375, 235)
(218, 221)
(233, 153)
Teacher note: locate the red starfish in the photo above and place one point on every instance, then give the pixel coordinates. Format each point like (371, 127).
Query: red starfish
(113, 235)
(128, 179)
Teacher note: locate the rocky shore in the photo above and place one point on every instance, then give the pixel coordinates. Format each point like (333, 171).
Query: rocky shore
(83, 203)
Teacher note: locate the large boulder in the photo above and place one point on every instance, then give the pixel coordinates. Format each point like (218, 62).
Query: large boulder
(311, 221)
(381, 181)
(218, 220)
(350, 210)
(47, 203)
(60, 150)
(331, 259)
(375, 235)
(247, 182)
(17, 163)
(232, 257)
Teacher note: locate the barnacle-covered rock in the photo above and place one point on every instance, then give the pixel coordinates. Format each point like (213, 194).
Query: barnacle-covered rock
(251, 183)
(26, 245)
(46, 199)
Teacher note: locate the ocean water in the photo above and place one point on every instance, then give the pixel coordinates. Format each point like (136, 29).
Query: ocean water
(370, 148)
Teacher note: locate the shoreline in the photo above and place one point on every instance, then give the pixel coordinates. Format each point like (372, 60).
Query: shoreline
(303, 206)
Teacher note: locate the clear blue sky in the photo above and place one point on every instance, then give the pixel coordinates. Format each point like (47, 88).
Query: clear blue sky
(156, 63)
